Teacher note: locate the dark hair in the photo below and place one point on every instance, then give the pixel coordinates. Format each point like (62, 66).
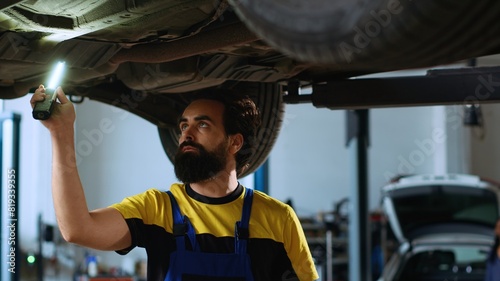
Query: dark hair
(241, 116)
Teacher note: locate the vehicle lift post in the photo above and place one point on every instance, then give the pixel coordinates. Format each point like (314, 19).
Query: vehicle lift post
(359, 240)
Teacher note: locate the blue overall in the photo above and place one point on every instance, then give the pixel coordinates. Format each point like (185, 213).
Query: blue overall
(187, 265)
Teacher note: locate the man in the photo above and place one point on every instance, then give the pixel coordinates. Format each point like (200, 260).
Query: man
(493, 261)
(255, 236)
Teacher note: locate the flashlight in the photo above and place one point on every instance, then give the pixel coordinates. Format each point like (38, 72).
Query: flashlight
(43, 109)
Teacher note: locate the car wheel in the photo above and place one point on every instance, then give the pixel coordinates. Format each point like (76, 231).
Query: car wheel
(383, 34)
(269, 100)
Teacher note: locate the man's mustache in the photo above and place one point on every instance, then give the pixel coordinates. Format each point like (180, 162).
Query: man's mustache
(191, 143)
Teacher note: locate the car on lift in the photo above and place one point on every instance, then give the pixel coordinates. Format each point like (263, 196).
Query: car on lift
(149, 56)
(443, 225)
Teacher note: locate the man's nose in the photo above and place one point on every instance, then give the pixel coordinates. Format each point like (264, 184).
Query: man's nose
(186, 135)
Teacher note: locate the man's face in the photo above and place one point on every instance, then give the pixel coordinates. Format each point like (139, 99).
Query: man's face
(203, 145)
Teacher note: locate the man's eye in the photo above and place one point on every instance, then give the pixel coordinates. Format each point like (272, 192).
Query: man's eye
(183, 127)
(203, 124)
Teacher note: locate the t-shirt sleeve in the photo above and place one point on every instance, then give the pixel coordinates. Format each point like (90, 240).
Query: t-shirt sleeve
(298, 249)
(139, 211)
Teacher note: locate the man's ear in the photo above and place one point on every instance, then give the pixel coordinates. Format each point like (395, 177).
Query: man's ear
(236, 142)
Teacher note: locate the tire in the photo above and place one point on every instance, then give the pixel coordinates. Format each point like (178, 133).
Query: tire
(375, 34)
(269, 100)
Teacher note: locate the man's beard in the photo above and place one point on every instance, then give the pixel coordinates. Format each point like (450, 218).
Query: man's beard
(192, 167)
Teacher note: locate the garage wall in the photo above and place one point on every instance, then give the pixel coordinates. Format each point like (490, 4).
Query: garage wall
(485, 144)
(118, 154)
(311, 163)
(484, 154)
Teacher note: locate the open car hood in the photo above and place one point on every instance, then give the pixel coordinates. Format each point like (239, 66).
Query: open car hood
(449, 204)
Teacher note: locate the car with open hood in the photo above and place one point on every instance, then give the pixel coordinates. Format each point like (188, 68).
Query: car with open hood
(149, 56)
(443, 225)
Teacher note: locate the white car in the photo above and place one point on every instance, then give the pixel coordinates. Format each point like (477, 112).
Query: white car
(444, 225)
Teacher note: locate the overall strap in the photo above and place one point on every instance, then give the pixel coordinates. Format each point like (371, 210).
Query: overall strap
(241, 229)
(181, 226)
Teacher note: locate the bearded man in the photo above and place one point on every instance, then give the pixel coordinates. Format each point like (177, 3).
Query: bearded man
(206, 228)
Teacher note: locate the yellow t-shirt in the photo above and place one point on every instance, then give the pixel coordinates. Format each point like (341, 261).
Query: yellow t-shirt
(277, 245)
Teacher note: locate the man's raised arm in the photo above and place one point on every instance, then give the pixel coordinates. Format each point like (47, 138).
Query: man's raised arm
(102, 229)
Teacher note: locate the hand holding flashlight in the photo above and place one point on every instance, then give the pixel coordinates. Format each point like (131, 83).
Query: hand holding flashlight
(43, 109)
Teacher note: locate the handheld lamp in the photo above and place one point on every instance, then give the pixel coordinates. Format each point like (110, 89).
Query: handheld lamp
(43, 109)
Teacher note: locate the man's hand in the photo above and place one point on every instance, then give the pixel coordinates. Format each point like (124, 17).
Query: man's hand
(63, 115)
